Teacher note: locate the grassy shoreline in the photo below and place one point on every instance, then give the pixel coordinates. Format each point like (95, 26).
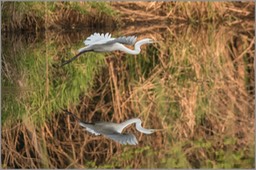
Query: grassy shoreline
(33, 16)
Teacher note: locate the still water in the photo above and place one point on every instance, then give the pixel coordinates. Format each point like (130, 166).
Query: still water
(194, 83)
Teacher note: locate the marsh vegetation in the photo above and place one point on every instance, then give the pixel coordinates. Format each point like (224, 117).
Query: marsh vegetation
(196, 83)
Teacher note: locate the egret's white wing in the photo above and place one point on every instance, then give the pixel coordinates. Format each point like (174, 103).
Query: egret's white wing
(129, 40)
(98, 39)
(123, 138)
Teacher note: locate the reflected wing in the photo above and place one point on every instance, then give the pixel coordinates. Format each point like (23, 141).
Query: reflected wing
(98, 39)
(123, 138)
(88, 128)
(129, 40)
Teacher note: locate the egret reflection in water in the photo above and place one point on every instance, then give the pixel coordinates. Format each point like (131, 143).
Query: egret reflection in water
(114, 130)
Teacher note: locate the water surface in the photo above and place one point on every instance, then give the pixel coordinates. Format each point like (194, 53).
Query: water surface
(196, 83)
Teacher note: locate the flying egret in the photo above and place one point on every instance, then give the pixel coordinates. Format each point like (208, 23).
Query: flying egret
(105, 43)
(114, 130)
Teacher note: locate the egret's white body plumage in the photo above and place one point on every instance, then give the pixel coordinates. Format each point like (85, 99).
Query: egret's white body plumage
(114, 130)
(105, 43)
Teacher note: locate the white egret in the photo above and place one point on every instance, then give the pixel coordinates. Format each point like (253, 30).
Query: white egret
(105, 43)
(114, 130)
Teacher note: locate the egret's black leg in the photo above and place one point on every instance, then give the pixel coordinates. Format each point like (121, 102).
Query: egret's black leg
(70, 60)
(74, 116)
(71, 114)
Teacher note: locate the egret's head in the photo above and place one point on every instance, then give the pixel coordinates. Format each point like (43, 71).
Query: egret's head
(145, 41)
(146, 131)
(149, 41)
(150, 131)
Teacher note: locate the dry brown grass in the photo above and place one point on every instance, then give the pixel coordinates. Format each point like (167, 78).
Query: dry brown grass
(77, 15)
(60, 16)
(173, 12)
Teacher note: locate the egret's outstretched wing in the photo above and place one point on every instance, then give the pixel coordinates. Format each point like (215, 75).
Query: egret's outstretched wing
(98, 39)
(123, 138)
(129, 40)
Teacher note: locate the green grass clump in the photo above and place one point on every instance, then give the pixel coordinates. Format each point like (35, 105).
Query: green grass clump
(34, 16)
(48, 88)
(103, 7)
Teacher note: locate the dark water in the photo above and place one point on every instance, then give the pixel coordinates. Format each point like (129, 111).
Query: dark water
(195, 83)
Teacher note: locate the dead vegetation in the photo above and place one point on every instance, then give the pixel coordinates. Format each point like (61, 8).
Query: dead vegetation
(189, 12)
(77, 15)
(58, 16)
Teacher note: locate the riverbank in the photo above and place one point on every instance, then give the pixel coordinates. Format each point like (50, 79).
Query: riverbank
(34, 16)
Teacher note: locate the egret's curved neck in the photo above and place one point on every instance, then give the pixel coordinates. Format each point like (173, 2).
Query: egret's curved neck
(136, 47)
(138, 125)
